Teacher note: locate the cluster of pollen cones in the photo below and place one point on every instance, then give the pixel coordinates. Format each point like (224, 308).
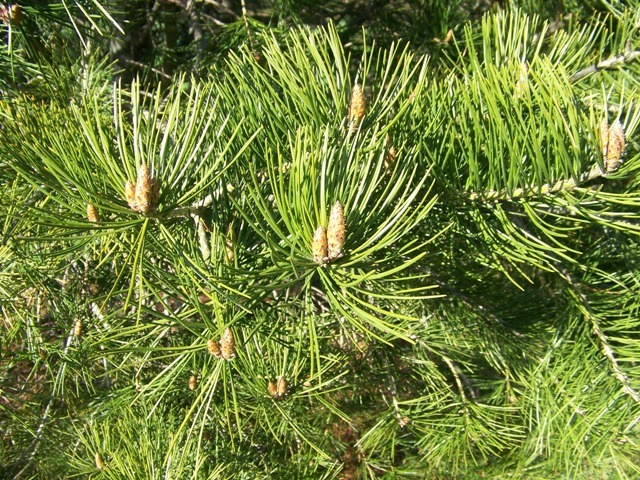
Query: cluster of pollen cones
(279, 389)
(328, 243)
(143, 196)
(225, 348)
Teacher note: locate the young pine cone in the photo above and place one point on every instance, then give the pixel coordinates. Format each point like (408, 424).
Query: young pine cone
(390, 158)
(77, 328)
(614, 143)
(277, 390)
(319, 246)
(99, 461)
(357, 107)
(228, 344)
(281, 387)
(92, 213)
(143, 196)
(273, 390)
(214, 348)
(146, 190)
(193, 382)
(230, 243)
(336, 232)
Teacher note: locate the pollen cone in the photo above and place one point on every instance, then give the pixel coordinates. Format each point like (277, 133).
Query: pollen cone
(390, 159)
(319, 245)
(228, 344)
(336, 232)
(214, 348)
(615, 147)
(77, 328)
(99, 461)
(230, 243)
(92, 213)
(11, 16)
(144, 190)
(281, 387)
(357, 106)
(273, 390)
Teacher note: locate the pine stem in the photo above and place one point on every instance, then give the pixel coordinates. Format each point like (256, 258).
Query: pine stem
(194, 209)
(604, 342)
(611, 62)
(608, 352)
(456, 376)
(37, 441)
(546, 189)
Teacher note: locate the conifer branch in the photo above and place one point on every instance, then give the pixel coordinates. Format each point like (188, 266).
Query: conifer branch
(37, 441)
(612, 62)
(604, 342)
(546, 189)
(456, 375)
(608, 352)
(192, 210)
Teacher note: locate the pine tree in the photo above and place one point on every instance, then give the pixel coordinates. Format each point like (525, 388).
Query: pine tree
(318, 258)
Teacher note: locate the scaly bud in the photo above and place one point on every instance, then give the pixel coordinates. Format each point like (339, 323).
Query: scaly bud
(92, 213)
(77, 328)
(615, 147)
(144, 195)
(277, 390)
(319, 245)
(357, 107)
(229, 243)
(193, 382)
(144, 190)
(214, 348)
(281, 387)
(336, 232)
(389, 159)
(273, 390)
(404, 421)
(99, 461)
(228, 344)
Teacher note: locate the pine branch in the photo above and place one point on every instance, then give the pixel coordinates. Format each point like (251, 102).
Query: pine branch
(37, 441)
(546, 189)
(456, 375)
(611, 62)
(602, 339)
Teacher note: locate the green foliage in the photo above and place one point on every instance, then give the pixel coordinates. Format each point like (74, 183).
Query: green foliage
(481, 321)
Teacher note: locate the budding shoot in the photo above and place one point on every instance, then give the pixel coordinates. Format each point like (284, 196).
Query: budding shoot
(214, 348)
(336, 232)
(357, 107)
(228, 344)
(319, 245)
